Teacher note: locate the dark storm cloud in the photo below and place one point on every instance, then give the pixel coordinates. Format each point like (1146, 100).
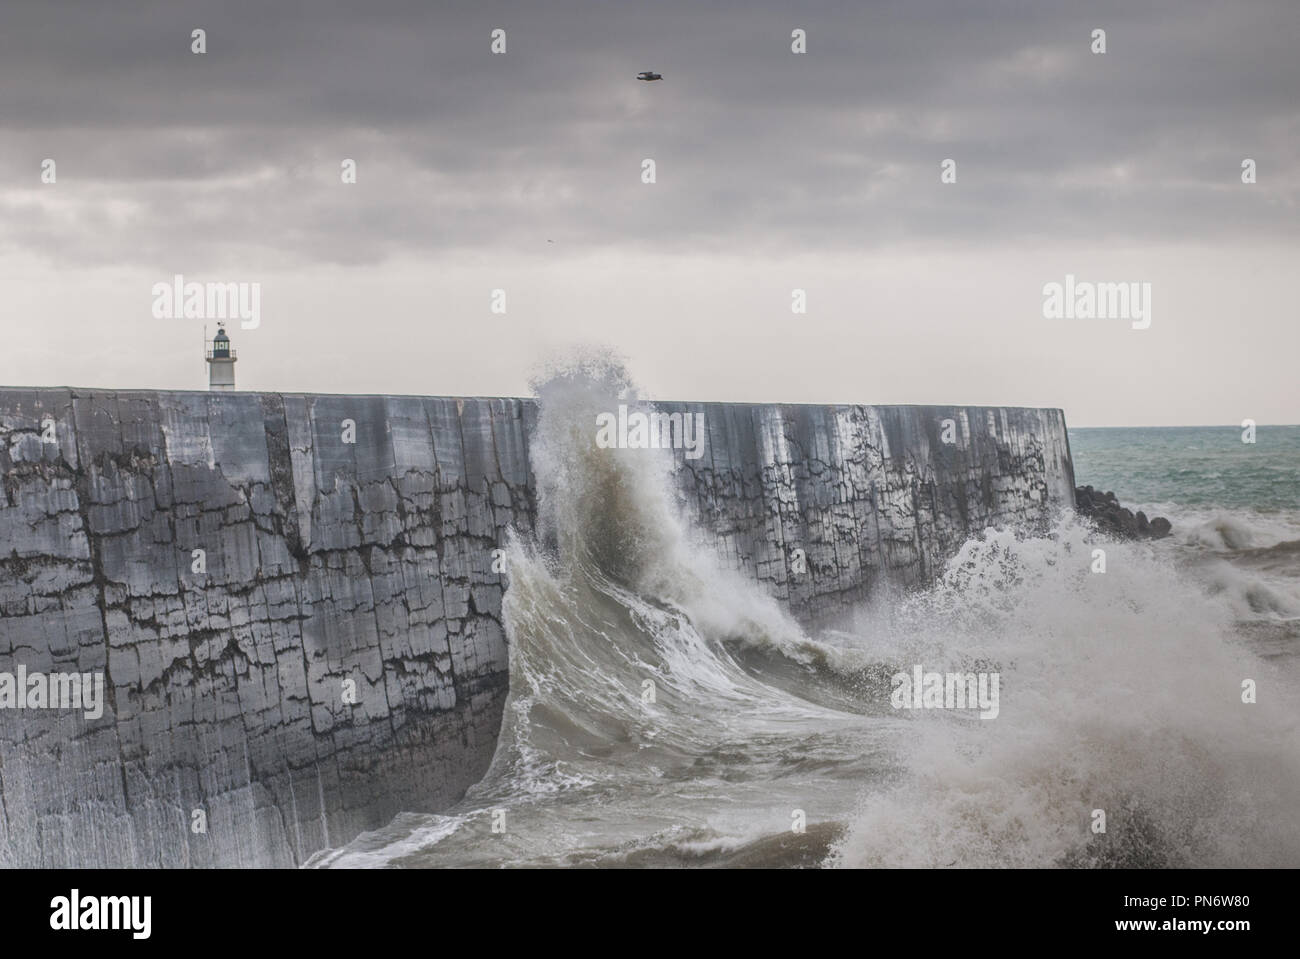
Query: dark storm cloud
(234, 155)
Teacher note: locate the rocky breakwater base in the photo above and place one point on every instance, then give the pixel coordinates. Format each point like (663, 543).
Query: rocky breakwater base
(290, 605)
(1106, 513)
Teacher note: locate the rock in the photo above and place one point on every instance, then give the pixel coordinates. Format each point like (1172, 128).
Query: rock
(1109, 516)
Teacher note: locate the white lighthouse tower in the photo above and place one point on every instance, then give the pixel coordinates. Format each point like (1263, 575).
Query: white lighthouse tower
(221, 362)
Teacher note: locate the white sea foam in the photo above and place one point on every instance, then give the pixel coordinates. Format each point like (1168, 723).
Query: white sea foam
(1122, 692)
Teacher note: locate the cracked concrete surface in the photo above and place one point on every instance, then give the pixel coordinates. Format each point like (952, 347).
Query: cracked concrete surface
(873, 495)
(370, 562)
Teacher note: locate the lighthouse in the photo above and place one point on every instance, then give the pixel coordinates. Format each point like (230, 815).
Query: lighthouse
(221, 362)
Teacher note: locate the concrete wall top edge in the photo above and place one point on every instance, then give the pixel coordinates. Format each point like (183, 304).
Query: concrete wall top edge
(80, 391)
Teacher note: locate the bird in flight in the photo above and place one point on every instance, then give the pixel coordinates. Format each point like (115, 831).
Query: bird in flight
(649, 75)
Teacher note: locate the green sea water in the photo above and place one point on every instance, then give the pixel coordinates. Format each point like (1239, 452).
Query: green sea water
(1193, 466)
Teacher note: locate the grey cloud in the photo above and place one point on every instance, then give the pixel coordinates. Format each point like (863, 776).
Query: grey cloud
(170, 159)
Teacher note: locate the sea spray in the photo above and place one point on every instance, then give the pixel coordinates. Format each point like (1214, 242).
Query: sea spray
(1122, 692)
(664, 711)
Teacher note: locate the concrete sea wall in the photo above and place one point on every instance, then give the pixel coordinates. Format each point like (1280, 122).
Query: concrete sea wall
(292, 603)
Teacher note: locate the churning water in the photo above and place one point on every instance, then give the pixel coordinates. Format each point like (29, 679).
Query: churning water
(664, 711)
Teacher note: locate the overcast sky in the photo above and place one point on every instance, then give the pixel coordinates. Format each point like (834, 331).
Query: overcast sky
(775, 171)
